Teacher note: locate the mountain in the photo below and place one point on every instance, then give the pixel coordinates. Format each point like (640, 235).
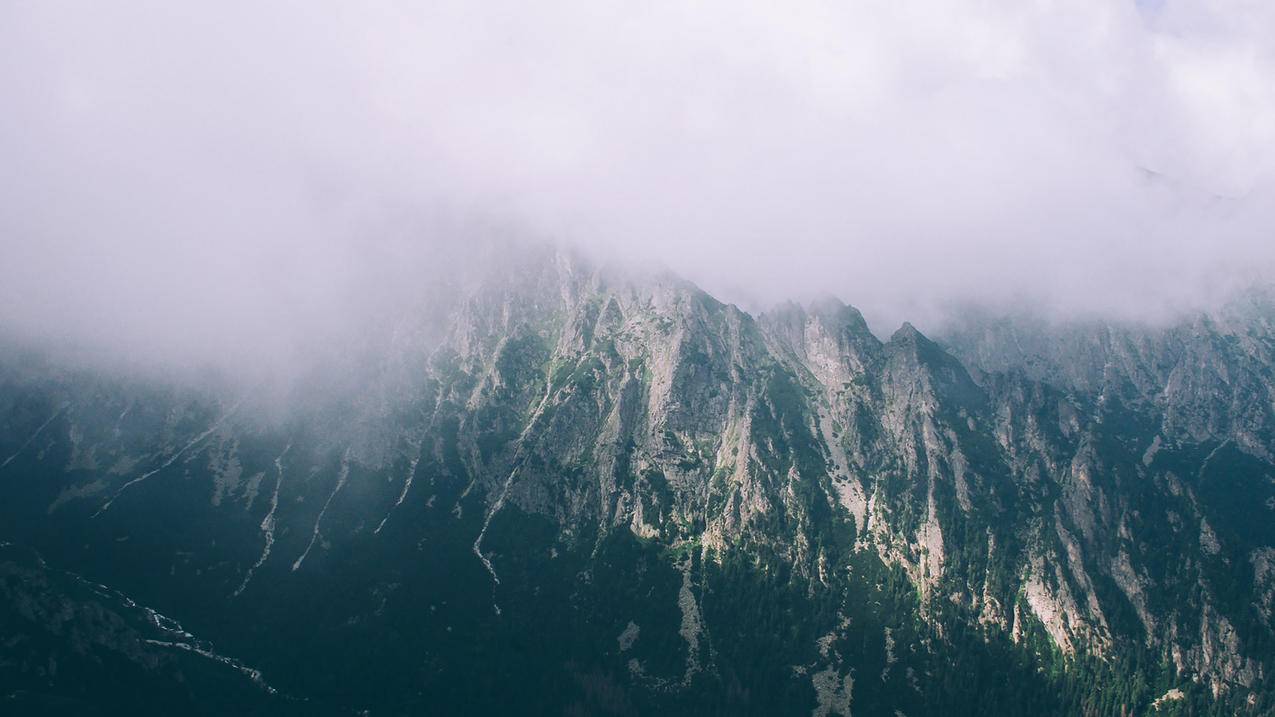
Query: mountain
(574, 490)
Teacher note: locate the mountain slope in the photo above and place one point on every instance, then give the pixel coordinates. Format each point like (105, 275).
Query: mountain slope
(588, 492)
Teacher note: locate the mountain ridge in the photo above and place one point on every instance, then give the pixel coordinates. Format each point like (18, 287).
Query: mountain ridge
(578, 443)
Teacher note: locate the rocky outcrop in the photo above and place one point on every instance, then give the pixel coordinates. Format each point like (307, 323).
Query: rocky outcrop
(1080, 482)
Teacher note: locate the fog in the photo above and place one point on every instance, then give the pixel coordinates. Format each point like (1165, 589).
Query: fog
(240, 183)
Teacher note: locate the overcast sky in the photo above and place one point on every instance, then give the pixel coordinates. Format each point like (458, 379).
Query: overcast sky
(202, 175)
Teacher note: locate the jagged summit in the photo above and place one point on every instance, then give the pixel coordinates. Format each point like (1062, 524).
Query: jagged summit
(618, 485)
(907, 334)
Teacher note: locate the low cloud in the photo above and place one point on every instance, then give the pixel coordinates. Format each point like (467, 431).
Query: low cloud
(236, 180)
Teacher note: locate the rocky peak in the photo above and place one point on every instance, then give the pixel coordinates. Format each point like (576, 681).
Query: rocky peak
(588, 445)
(828, 338)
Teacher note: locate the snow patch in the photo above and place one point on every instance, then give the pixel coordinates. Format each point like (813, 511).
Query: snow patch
(171, 460)
(340, 483)
(267, 523)
(33, 436)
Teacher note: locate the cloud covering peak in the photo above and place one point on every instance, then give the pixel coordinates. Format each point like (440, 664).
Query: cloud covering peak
(223, 178)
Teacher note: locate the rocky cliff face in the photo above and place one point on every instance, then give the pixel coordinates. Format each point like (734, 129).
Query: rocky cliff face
(595, 493)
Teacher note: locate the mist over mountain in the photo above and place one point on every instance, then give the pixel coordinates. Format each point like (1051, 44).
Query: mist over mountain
(192, 182)
(590, 491)
(592, 358)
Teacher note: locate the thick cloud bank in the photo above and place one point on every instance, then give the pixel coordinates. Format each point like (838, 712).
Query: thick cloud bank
(221, 178)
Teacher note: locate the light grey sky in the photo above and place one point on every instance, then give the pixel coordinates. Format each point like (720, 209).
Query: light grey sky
(196, 178)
